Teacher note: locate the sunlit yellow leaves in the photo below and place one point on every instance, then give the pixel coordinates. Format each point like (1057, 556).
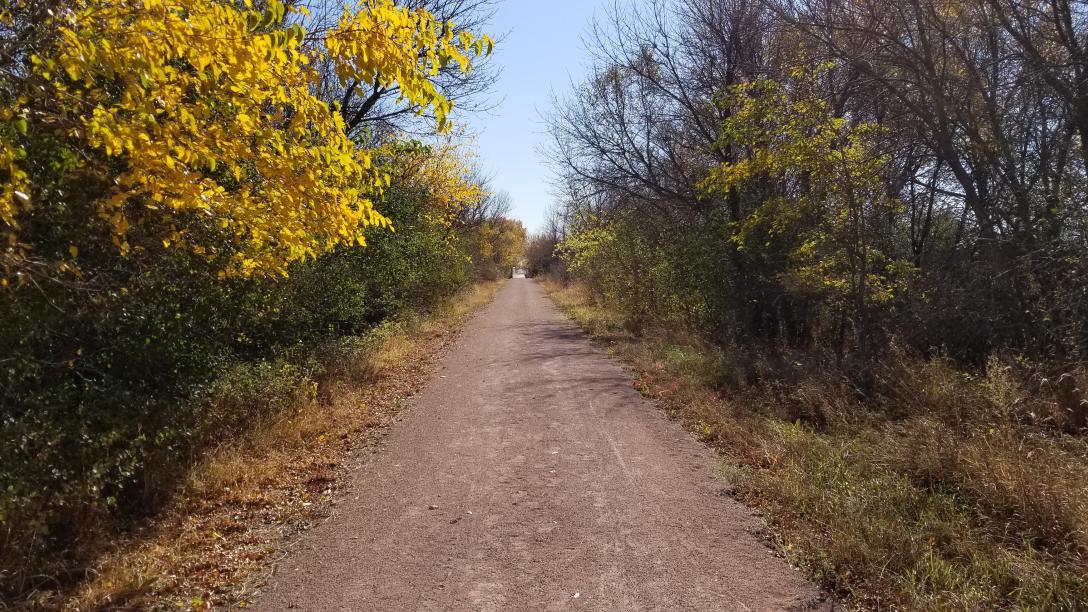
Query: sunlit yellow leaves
(444, 171)
(14, 197)
(828, 180)
(382, 43)
(207, 111)
(502, 241)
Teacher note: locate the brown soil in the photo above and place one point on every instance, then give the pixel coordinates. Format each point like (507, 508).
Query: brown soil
(530, 475)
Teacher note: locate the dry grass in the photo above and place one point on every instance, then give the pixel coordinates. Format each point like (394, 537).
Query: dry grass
(243, 503)
(949, 491)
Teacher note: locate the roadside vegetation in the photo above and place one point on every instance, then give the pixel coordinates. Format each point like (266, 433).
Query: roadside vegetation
(848, 244)
(936, 497)
(244, 501)
(215, 218)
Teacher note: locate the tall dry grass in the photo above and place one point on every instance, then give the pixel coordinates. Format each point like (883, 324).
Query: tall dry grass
(947, 489)
(243, 501)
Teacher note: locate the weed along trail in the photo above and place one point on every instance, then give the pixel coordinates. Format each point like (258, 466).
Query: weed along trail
(530, 475)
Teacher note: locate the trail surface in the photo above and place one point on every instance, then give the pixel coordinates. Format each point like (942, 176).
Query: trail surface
(529, 475)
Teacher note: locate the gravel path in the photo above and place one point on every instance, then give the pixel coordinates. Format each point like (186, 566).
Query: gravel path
(529, 475)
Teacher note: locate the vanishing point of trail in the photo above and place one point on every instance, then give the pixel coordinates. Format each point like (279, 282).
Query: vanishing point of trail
(529, 475)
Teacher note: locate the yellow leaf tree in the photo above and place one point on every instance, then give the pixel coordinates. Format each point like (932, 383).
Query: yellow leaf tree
(446, 171)
(821, 177)
(201, 117)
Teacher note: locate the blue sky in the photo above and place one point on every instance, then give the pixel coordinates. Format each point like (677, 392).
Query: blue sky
(539, 54)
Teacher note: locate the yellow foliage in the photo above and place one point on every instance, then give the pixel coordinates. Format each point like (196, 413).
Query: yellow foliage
(207, 110)
(502, 241)
(829, 178)
(13, 192)
(444, 170)
(390, 45)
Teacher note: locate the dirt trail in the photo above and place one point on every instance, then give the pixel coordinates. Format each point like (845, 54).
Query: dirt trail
(529, 475)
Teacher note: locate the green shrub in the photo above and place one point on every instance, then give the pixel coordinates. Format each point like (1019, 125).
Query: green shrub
(113, 384)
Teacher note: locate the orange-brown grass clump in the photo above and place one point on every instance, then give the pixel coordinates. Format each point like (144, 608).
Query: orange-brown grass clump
(241, 504)
(946, 490)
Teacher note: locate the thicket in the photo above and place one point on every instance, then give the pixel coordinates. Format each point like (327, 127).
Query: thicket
(840, 178)
(203, 202)
(932, 497)
(877, 214)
